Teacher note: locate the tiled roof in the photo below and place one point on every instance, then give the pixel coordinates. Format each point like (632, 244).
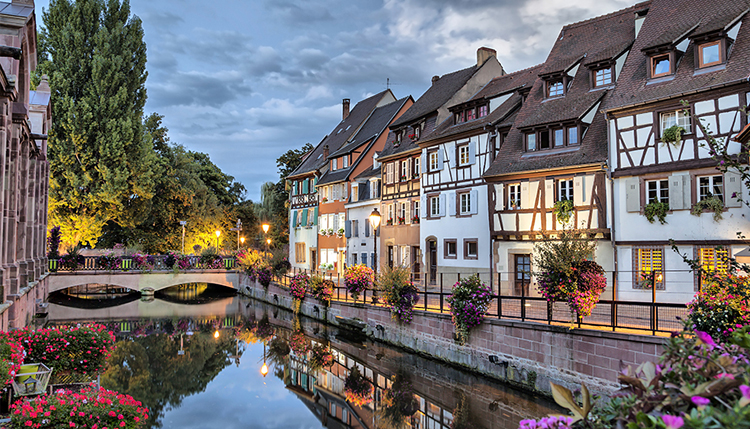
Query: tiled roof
(376, 124)
(665, 19)
(436, 95)
(39, 98)
(407, 145)
(594, 38)
(334, 176)
(23, 11)
(369, 173)
(343, 131)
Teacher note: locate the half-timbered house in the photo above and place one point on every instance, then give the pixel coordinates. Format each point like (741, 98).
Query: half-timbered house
(352, 158)
(555, 155)
(304, 195)
(693, 53)
(365, 197)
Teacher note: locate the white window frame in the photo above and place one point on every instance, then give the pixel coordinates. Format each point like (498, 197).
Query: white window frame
(711, 186)
(565, 192)
(434, 206)
(676, 117)
(464, 205)
(345, 161)
(402, 211)
(417, 167)
(514, 194)
(405, 171)
(434, 160)
(657, 187)
(463, 155)
(415, 209)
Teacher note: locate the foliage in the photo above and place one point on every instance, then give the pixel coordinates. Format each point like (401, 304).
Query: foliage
(722, 306)
(321, 289)
(399, 401)
(68, 349)
(713, 204)
(656, 210)
(673, 135)
(280, 262)
(469, 301)
(298, 343)
(320, 357)
(462, 418)
(358, 278)
(89, 408)
(210, 259)
(11, 358)
(53, 243)
(357, 389)
(563, 210)
(298, 287)
(256, 266)
(399, 292)
(72, 261)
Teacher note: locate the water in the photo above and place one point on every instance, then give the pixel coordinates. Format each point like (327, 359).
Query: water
(196, 363)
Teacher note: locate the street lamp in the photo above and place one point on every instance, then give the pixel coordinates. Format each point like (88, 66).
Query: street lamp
(183, 223)
(238, 228)
(264, 368)
(242, 240)
(268, 245)
(266, 227)
(218, 233)
(375, 221)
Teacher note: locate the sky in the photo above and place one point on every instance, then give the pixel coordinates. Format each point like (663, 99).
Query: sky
(245, 81)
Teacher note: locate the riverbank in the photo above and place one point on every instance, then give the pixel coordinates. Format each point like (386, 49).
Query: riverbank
(523, 354)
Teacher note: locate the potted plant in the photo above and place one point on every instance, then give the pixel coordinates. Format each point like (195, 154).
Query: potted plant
(656, 210)
(415, 219)
(389, 222)
(298, 287)
(673, 135)
(712, 204)
(415, 176)
(398, 292)
(358, 278)
(403, 177)
(357, 389)
(324, 200)
(469, 301)
(401, 220)
(563, 210)
(340, 232)
(412, 137)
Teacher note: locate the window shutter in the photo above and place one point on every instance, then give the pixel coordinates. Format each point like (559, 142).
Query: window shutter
(408, 212)
(364, 259)
(424, 161)
(367, 228)
(344, 191)
(732, 189)
(578, 197)
(305, 184)
(474, 209)
(451, 203)
(405, 250)
(423, 209)
(633, 195)
(524, 193)
(440, 158)
(472, 152)
(441, 205)
(373, 261)
(389, 173)
(452, 160)
(315, 217)
(294, 219)
(304, 218)
(549, 194)
(675, 192)
(499, 196)
(335, 222)
(408, 172)
(348, 229)
(314, 183)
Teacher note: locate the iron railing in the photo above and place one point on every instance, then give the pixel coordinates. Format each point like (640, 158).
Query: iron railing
(154, 263)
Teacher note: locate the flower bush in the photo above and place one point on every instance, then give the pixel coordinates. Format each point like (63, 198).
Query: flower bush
(722, 306)
(358, 278)
(298, 343)
(53, 243)
(321, 289)
(469, 301)
(320, 357)
(90, 408)
(399, 292)
(80, 349)
(11, 358)
(357, 389)
(298, 288)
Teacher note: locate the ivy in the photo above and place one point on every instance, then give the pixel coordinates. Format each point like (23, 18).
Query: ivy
(656, 210)
(563, 210)
(673, 135)
(711, 203)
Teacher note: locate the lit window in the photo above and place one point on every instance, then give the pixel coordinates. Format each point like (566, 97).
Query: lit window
(433, 161)
(709, 54)
(555, 88)
(657, 191)
(711, 186)
(573, 135)
(530, 141)
(603, 76)
(514, 196)
(670, 119)
(559, 137)
(649, 270)
(714, 259)
(661, 65)
(483, 111)
(463, 155)
(565, 190)
(465, 203)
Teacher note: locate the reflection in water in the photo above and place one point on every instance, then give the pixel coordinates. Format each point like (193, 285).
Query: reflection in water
(189, 379)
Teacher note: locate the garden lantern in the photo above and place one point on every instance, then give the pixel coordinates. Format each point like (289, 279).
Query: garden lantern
(218, 233)
(375, 221)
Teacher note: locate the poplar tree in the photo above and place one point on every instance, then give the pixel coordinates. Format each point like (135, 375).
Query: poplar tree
(101, 161)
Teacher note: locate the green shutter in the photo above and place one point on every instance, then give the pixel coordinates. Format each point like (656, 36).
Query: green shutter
(314, 182)
(315, 217)
(305, 183)
(294, 219)
(304, 217)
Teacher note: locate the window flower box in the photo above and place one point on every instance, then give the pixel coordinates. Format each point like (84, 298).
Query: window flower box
(403, 178)
(415, 219)
(389, 222)
(324, 200)
(401, 221)
(340, 232)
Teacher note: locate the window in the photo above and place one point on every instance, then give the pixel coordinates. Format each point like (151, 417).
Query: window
(415, 210)
(355, 228)
(657, 191)
(711, 186)
(714, 259)
(389, 172)
(390, 214)
(417, 131)
(544, 140)
(334, 164)
(514, 196)
(415, 163)
(434, 206)
(603, 77)
(345, 161)
(572, 135)
(555, 88)
(565, 190)
(483, 110)
(354, 258)
(471, 248)
(558, 137)
(531, 141)
(459, 117)
(402, 213)
(449, 248)
(649, 268)
(661, 65)
(670, 119)
(463, 155)
(433, 161)
(405, 170)
(464, 203)
(299, 253)
(471, 114)
(709, 54)
(355, 192)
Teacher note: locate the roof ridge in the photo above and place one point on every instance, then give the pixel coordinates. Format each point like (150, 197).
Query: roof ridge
(606, 15)
(517, 72)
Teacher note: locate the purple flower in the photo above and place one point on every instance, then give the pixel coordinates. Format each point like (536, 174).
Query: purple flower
(672, 422)
(700, 401)
(705, 339)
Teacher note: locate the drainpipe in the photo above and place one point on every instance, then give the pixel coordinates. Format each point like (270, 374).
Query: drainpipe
(612, 216)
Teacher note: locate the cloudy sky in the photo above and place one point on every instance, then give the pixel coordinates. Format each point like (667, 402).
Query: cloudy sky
(246, 80)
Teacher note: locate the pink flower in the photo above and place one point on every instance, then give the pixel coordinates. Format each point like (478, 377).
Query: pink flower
(672, 422)
(700, 401)
(705, 339)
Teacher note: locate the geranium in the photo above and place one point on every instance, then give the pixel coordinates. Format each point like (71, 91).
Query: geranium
(298, 343)
(320, 357)
(89, 408)
(399, 292)
(357, 389)
(722, 306)
(358, 278)
(298, 288)
(321, 289)
(469, 301)
(11, 358)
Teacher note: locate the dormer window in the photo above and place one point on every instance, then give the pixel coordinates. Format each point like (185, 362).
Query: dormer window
(710, 54)
(553, 138)
(661, 65)
(483, 110)
(602, 77)
(555, 88)
(334, 164)
(345, 161)
(416, 132)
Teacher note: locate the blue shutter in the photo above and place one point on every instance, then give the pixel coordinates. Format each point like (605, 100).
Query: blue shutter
(451, 203)
(347, 228)
(364, 259)
(305, 185)
(315, 217)
(472, 152)
(303, 222)
(440, 158)
(473, 209)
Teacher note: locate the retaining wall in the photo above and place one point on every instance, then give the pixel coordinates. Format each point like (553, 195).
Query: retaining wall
(530, 355)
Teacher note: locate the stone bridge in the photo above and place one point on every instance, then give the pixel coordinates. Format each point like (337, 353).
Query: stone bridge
(143, 281)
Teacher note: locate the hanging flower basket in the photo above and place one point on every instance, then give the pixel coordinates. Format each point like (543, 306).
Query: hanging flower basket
(358, 278)
(357, 389)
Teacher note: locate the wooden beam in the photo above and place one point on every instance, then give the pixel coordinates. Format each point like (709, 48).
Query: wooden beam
(10, 51)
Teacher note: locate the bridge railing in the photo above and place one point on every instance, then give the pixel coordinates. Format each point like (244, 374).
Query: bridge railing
(140, 263)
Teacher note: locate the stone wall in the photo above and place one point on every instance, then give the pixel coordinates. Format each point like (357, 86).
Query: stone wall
(530, 355)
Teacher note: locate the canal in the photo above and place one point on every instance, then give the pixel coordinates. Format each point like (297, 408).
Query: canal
(196, 357)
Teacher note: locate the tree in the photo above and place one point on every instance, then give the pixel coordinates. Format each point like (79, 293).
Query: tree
(101, 163)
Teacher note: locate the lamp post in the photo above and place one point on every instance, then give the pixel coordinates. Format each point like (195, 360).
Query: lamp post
(242, 240)
(268, 245)
(375, 221)
(218, 233)
(238, 228)
(183, 223)
(266, 227)
(264, 368)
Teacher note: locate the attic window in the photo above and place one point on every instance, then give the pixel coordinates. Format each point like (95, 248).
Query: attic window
(482, 111)
(661, 65)
(709, 54)
(603, 77)
(555, 88)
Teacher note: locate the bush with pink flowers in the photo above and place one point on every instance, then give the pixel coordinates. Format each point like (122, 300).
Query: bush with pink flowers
(722, 306)
(357, 389)
(11, 358)
(469, 301)
(298, 288)
(358, 278)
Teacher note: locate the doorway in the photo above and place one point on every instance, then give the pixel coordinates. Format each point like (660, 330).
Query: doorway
(522, 274)
(432, 250)
(313, 260)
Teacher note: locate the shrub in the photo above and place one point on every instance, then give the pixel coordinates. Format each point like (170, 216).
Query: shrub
(469, 301)
(399, 292)
(210, 259)
(298, 288)
(722, 306)
(656, 210)
(53, 243)
(358, 278)
(713, 204)
(357, 389)
(11, 358)
(321, 289)
(90, 408)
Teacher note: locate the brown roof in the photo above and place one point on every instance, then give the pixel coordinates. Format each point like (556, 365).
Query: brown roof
(665, 22)
(595, 38)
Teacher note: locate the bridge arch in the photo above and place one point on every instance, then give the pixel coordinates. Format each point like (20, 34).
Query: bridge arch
(137, 280)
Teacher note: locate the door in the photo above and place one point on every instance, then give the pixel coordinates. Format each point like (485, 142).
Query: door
(313, 260)
(522, 274)
(391, 256)
(432, 249)
(416, 256)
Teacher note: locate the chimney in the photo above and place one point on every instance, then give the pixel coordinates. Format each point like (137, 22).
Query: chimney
(325, 151)
(484, 54)
(435, 79)
(345, 105)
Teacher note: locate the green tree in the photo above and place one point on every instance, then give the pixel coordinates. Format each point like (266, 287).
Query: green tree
(101, 163)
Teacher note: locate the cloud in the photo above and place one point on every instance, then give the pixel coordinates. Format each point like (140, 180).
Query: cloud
(196, 88)
(299, 13)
